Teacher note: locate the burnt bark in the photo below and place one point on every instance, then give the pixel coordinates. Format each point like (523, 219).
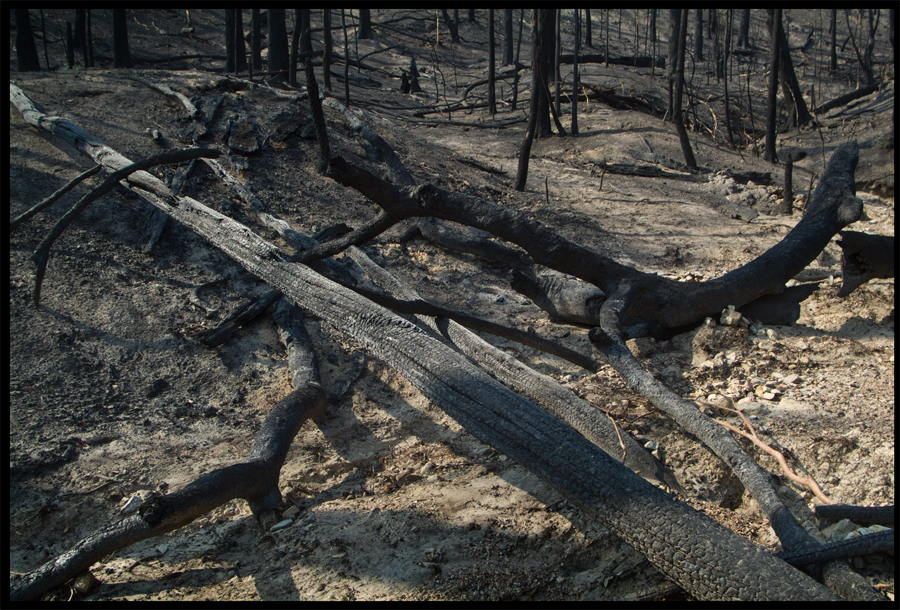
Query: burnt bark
(842, 100)
(525, 150)
(327, 43)
(121, 55)
(278, 44)
(865, 257)
(365, 24)
(255, 40)
(743, 39)
(492, 101)
(677, 114)
(771, 109)
(507, 58)
(240, 52)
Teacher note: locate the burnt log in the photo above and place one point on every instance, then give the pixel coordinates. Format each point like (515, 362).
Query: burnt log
(865, 257)
(842, 100)
(640, 61)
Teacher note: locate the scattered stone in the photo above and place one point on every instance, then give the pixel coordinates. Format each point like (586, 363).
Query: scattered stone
(162, 549)
(291, 512)
(85, 583)
(281, 525)
(792, 379)
(651, 446)
(730, 317)
(132, 505)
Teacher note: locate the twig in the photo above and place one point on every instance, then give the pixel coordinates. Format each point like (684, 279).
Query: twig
(619, 434)
(42, 253)
(807, 481)
(54, 197)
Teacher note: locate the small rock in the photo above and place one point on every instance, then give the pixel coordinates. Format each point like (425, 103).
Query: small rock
(802, 345)
(291, 512)
(730, 317)
(85, 583)
(772, 334)
(651, 446)
(162, 549)
(132, 505)
(281, 525)
(792, 379)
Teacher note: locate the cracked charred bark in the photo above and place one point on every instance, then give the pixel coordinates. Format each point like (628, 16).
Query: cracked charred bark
(705, 558)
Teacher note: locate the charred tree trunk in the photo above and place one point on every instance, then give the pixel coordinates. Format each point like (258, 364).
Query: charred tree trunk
(833, 30)
(278, 47)
(305, 33)
(70, 46)
(587, 28)
(698, 35)
(536, 97)
(90, 40)
(492, 101)
(575, 73)
(80, 38)
(743, 39)
(507, 37)
(255, 40)
(346, 61)
(326, 54)
(121, 56)
(800, 114)
(240, 52)
(545, 60)
(678, 115)
(365, 24)
(229, 40)
(672, 59)
(295, 49)
(771, 107)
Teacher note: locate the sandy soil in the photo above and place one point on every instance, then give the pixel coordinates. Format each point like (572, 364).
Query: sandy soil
(112, 398)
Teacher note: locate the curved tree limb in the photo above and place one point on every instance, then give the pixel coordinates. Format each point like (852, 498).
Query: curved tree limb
(42, 253)
(54, 197)
(833, 206)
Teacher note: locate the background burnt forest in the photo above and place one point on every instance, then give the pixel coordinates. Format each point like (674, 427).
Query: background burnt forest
(112, 395)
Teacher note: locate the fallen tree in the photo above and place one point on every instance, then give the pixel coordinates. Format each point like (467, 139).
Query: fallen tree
(706, 559)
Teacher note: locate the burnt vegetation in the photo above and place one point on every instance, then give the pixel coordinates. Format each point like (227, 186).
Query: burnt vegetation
(238, 124)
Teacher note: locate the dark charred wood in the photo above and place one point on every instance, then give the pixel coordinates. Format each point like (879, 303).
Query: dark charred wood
(842, 100)
(641, 61)
(865, 257)
(878, 542)
(863, 515)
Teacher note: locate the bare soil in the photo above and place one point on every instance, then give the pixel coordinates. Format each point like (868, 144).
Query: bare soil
(111, 397)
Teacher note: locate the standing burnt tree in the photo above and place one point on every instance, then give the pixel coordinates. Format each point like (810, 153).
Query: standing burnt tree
(365, 24)
(771, 115)
(799, 114)
(26, 51)
(492, 101)
(507, 58)
(678, 114)
(672, 59)
(541, 21)
(121, 56)
(255, 41)
(278, 49)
